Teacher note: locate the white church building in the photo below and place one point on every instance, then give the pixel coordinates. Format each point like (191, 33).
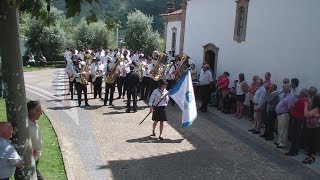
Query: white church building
(249, 36)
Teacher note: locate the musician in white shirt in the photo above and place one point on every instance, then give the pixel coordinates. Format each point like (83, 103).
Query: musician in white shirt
(157, 103)
(96, 73)
(145, 79)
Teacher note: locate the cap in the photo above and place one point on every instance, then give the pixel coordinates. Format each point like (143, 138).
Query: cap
(163, 81)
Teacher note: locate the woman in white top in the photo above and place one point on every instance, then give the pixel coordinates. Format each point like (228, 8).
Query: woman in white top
(241, 89)
(157, 103)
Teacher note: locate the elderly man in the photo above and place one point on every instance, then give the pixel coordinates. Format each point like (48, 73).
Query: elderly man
(259, 101)
(312, 92)
(272, 101)
(283, 112)
(205, 82)
(295, 88)
(297, 122)
(284, 82)
(9, 158)
(34, 112)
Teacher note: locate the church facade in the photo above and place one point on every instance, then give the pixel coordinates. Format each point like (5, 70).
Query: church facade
(251, 37)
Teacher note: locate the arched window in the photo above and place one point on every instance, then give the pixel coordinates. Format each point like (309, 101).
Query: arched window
(174, 39)
(241, 20)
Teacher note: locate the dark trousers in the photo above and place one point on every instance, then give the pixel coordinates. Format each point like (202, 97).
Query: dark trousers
(133, 94)
(271, 119)
(71, 85)
(251, 110)
(81, 87)
(97, 87)
(171, 83)
(311, 138)
(121, 85)
(205, 94)
(144, 88)
(109, 88)
(296, 131)
(39, 175)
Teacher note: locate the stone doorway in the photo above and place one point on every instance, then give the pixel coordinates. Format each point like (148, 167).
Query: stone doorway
(210, 56)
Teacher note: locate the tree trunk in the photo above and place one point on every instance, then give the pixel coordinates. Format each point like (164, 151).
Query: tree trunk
(14, 87)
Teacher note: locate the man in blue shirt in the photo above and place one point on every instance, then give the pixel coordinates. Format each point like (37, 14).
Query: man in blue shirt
(9, 158)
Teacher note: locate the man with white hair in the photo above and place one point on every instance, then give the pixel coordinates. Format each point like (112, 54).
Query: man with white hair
(283, 112)
(259, 100)
(9, 158)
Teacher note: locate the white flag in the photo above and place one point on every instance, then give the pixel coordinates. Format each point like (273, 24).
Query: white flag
(182, 93)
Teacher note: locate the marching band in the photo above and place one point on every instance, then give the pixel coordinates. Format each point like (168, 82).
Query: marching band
(132, 73)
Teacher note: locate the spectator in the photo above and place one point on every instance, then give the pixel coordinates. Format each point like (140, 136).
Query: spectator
(294, 86)
(267, 82)
(31, 61)
(9, 158)
(312, 130)
(272, 101)
(282, 110)
(284, 82)
(241, 89)
(253, 88)
(205, 82)
(34, 112)
(42, 59)
(194, 73)
(297, 122)
(223, 87)
(312, 92)
(259, 100)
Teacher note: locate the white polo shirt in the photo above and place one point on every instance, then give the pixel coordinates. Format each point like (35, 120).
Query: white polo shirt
(205, 77)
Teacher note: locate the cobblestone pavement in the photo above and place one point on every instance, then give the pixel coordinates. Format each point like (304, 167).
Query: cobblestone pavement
(102, 142)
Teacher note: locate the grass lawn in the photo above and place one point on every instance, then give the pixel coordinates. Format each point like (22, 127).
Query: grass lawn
(51, 165)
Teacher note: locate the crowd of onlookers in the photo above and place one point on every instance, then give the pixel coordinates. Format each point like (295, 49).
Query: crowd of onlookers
(288, 111)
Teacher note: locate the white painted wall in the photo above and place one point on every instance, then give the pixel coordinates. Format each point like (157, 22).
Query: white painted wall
(176, 24)
(283, 38)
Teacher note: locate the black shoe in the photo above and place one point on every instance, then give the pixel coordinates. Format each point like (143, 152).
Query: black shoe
(263, 136)
(135, 110)
(291, 154)
(110, 104)
(127, 111)
(256, 132)
(101, 98)
(119, 97)
(280, 147)
(87, 104)
(160, 138)
(276, 143)
(153, 134)
(71, 98)
(251, 130)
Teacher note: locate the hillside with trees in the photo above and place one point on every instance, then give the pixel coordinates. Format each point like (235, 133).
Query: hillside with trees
(119, 9)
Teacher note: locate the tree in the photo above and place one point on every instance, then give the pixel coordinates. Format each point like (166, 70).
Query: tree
(139, 33)
(94, 35)
(13, 75)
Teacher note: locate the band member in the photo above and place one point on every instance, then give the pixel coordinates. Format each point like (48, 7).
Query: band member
(205, 82)
(132, 80)
(109, 87)
(171, 80)
(144, 88)
(69, 70)
(96, 72)
(152, 83)
(79, 86)
(124, 69)
(157, 103)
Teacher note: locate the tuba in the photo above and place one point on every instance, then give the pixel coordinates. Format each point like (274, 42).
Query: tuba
(157, 73)
(181, 68)
(113, 74)
(84, 74)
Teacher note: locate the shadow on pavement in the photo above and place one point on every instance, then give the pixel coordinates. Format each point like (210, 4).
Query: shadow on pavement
(114, 112)
(92, 107)
(213, 157)
(149, 139)
(62, 108)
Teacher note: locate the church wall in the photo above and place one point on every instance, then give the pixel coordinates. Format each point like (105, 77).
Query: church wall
(282, 38)
(176, 24)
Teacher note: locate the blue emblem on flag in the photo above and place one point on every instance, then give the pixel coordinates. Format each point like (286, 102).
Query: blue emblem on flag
(189, 96)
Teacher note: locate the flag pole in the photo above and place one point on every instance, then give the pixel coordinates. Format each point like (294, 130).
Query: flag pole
(162, 98)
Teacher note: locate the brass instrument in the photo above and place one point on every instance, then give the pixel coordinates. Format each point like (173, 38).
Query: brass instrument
(84, 74)
(113, 74)
(160, 68)
(140, 71)
(95, 75)
(183, 66)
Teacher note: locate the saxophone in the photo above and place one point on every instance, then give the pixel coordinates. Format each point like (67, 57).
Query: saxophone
(157, 73)
(113, 75)
(183, 66)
